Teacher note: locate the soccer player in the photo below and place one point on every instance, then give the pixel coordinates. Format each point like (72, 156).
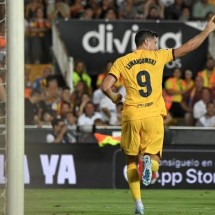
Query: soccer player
(144, 108)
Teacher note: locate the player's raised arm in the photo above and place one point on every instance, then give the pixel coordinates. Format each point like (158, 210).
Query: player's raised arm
(196, 41)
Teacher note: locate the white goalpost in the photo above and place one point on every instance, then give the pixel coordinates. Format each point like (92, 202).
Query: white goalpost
(15, 108)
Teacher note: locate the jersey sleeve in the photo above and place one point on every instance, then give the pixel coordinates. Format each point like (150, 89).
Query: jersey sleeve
(167, 55)
(115, 70)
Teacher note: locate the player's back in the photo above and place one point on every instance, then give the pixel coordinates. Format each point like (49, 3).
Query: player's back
(142, 72)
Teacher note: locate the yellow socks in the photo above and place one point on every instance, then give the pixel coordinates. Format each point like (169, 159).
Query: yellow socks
(155, 166)
(134, 181)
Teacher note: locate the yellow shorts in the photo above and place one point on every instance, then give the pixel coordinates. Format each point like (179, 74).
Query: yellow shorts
(143, 136)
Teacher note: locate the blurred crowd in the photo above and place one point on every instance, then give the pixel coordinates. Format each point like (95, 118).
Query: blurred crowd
(119, 9)
(189, 98)
(40, 14)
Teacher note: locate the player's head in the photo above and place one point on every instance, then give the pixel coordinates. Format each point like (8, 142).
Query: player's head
(146, 39)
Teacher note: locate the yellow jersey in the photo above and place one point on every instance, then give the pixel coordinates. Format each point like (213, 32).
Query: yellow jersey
(142, 74)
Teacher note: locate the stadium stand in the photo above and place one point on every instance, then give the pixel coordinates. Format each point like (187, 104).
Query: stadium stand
(54, 11)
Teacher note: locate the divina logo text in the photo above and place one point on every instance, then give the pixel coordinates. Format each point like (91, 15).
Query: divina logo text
(104, 41)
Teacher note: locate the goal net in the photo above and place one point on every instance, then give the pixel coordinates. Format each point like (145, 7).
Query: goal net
(3, 69)
(11, 107)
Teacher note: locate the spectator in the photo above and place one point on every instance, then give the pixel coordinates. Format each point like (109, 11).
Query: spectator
(40, 83)
(39, 38)
(64, 101)
(98, 93)
(60, 133)
(81, 74)
(102, 75)
(97, 97)
(65, 108)
(47, 117)
(189, 98)
(80, 90)
(79, 109)
(167, 99)
(105, 5)
(77, 9)
(111, 15)
(168, 2)
(94, 5)
(108, 110)
(66, 95)
(127, 10)
(208, 74)
(150, 9)
(89, 115)
(175, 11)
(168, 103)
(33, 108)
(188, 79)
(31, 9)
(52, 93)
(185, 14)
(99, 122)
(71, 120)
(199, 108)
(58, 10)
(175, 86)
(208, 120)
(153, 10)
(189, 3)
(139, 4)
(88, 14)
(201, 8)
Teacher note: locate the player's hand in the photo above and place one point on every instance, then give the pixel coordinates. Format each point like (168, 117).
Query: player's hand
(117, 98)
(211, 24)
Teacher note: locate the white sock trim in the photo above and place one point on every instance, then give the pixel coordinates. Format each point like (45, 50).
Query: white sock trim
(138, 203)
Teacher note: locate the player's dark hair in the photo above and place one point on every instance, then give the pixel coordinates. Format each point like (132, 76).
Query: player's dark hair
(142, 35)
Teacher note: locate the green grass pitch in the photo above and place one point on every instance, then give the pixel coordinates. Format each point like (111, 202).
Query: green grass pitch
(100, 202)
(117, 202)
